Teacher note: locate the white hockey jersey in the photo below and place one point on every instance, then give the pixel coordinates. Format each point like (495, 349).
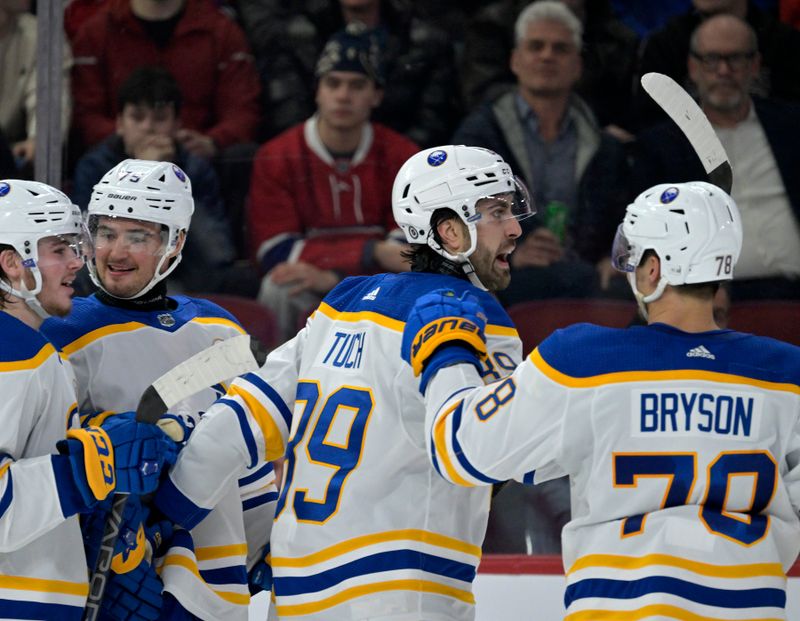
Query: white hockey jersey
(42, 564)
(365, 528)
(683, 452)
(116, 353)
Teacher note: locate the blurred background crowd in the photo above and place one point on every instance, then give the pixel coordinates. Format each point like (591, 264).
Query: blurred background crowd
(292, 118)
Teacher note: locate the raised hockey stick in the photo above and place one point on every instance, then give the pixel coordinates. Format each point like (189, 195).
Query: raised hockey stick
(691, 120)
(222, 361)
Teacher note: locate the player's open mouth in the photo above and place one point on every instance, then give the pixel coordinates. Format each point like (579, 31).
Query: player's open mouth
(117, 269)
(502, 259)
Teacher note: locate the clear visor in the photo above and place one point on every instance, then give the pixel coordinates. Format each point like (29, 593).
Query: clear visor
(65, 248)
(506, 205)
(127, 235)
(623, 254)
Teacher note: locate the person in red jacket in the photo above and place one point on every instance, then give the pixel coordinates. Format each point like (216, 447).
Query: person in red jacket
(320, 195)
(205, 51)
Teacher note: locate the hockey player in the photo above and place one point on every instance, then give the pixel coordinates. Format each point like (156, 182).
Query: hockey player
(365, 529)
(43, 573)
(682, 441)
(125, 336)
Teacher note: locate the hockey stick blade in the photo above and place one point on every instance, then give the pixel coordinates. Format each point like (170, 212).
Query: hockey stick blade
(222, 361)
(691, 120)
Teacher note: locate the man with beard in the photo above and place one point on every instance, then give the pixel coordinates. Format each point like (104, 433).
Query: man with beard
(760, 137)
(365, 528)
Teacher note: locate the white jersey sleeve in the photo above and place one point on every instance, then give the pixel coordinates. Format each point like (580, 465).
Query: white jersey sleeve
(242, 431)
(42, 563)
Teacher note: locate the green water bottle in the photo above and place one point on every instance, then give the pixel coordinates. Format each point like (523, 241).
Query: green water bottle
(555, 219)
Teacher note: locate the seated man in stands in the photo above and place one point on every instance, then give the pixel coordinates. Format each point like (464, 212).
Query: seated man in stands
(320, 197)
(577, 174)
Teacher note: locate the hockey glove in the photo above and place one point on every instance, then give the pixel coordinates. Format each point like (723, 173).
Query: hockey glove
(260, 577)
(442, 330)
(133, 596)
(129, 548)
(140, 451)
(91, 460)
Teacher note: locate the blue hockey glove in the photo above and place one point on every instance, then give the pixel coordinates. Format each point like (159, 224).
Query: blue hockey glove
(133, 596)
(129, 548)
(260, 576)
(91, 463)
(140, 453)
(442, 330)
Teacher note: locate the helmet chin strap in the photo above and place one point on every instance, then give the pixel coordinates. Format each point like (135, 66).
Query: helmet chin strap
(461, 258)
(641, 299)
(469, 270)
(26, 296)
(158, 276)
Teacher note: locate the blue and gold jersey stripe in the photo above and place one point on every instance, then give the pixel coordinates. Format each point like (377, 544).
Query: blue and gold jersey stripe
(30, 363)
(620, 562)
(422, 536)
(620, 377)
(395, 324)
(419, 586)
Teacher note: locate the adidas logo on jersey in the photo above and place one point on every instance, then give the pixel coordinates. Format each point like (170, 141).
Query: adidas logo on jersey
(372, 295)
(700, 352)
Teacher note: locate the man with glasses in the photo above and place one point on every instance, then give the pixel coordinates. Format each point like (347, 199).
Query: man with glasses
(778, 45)
(760, 137)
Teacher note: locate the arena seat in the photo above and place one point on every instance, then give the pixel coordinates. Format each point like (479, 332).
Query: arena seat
(257, 319)
(779, 319)
(536, 320)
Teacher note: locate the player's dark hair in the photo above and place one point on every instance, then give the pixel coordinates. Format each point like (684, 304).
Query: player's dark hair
(700, 290)
(150, 86)
(423, 258)
(5, 297)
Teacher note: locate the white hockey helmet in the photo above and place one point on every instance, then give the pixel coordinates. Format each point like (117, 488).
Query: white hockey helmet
(149, 191)
(694, 228)
(455, 177)
(29, 212)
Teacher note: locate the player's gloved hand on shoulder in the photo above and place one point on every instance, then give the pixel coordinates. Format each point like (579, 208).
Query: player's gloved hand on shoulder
(140, 453)
(443, 329)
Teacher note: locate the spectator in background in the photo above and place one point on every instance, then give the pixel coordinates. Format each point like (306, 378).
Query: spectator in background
(778, 46)
(790, 12)
(760, 137)
(421, 96)
(147, 124)
(608, 54)
(577, 174)
(211, 61)
(205, 51)
(320, 199)
(18, 82)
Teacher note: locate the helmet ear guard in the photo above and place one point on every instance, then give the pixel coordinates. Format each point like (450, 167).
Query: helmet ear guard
(149, 191)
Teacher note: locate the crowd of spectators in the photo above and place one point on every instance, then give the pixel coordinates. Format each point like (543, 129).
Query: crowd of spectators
(292, 158)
